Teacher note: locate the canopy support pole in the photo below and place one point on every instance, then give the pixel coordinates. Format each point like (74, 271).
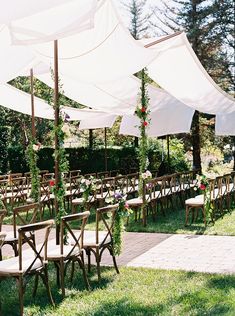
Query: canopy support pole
(32, 104)
(168, 151)
(56, 122)
(105, 149)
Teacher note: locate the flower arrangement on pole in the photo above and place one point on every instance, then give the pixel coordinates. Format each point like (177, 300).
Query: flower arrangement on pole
(123, 211)
(88, 187)
(202, 184)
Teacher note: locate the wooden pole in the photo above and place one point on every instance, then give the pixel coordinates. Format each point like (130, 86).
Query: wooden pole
(32, 105)
(105, 149)
(168, 152)
(56, 122)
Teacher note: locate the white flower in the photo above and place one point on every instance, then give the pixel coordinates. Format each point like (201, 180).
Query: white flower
(83, 181)
(36, 147)
(87, 182)
(146, 175)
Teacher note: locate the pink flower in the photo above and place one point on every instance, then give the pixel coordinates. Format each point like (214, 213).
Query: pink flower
(143, 110)
(126, 206)
(202, 187)
(145, 123)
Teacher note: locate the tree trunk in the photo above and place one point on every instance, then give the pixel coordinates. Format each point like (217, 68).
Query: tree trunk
(196, 141)
(90, 138)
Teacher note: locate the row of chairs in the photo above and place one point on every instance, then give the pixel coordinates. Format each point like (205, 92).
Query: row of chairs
(221, 194)
(33, 260)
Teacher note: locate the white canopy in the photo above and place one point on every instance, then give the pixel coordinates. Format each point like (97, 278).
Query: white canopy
(20, 101)
(104, 53)
(50, 20)
(177, 70)
(174, 118)
(225, 124)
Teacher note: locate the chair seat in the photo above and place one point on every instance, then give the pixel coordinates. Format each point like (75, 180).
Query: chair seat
(11, 266)
(89, 239)
(81, 200)
(10, 236)
(195, 201)
(54, 252)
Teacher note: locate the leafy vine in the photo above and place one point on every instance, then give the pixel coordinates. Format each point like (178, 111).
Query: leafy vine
(143, 113)
(32, 158)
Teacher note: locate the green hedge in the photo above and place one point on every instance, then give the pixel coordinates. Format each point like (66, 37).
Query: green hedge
(88, 160)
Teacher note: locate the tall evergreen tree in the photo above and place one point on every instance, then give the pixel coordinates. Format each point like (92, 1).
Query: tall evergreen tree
(210, 28)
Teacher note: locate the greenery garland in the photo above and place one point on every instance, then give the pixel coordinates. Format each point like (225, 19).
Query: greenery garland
(60, 155)
(123, 211)
(32, 158)
(143, 113)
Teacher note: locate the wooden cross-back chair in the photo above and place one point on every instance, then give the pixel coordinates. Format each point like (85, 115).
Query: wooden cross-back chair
(73, 252)
(2, 238)
(74, 173)
(107, 190)
(132, 184)
(17, 190)
(21, 217)
(2, 215)
(97, 241)
(120, 184)
(29, 262)
(3, 191)
(46, 195)
(103, 175)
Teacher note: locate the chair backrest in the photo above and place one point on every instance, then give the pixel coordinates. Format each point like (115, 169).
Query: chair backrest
(74, 173)
(107, 187)
(132, 182)
(2, 238)
(48, 176)
(106, 215)
(3, 188)
(20, 219)
(39, 251)
(17, 186)
(103, 175)
(76, 240)
(120, 184)
(152, 189)
(74, 186)
(2, 215)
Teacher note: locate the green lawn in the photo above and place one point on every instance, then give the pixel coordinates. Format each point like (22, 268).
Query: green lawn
(133, 292)
(172, 222)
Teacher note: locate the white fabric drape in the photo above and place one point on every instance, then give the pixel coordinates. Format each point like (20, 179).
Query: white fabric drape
(55, 21)
(225, 124)
(172, 119)
(104, 53)
(177, 70)
(20, 101)
(13, 59)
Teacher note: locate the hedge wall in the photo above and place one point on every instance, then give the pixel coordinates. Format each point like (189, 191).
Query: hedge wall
(89, 160)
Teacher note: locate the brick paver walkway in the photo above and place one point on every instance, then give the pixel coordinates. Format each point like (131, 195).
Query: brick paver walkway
(202, 253)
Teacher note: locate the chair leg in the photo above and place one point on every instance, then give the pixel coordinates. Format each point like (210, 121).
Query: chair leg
(97, 256)
(115, 263)
(62, 277)
(0, 257)
(88, 252)
(21, 294)
(82, 266)
(35, 285)
(45, 280)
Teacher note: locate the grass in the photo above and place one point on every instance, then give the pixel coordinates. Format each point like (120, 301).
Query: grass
(172, 223)
(133, 292)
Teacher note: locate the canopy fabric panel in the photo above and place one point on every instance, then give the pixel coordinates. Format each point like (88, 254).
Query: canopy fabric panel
(55, 20)
(13, 59)
(177, 70)
(15, 9)
(225, 124)
(105, 53)
(20, 101)
(101, 120)
(173, 119)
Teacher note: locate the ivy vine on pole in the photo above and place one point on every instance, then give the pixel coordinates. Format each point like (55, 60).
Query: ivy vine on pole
(143, 112)
(60, 156)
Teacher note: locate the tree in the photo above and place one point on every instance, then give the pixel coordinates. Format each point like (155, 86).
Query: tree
(210, 31)
(139, 23)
